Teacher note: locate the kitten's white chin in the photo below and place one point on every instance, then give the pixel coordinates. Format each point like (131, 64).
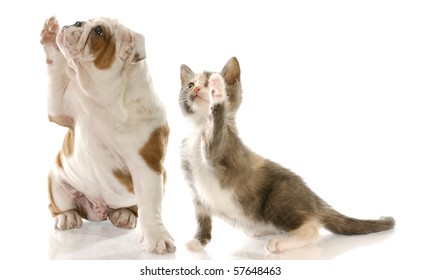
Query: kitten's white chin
(201, 110)
(200, 101)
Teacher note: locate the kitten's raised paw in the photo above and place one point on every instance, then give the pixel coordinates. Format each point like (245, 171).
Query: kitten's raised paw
(123, 218)
(68, 220)
(217, 84)
(194, 245)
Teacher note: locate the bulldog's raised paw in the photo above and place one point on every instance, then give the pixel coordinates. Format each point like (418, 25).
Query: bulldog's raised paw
(123, 218)
(49, 32)
(68, 220)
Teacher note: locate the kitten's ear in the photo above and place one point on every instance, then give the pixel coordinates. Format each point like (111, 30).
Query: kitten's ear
(231, 71)
(186, 74)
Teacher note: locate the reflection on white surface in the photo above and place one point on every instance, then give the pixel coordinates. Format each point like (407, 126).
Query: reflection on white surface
(102, 241)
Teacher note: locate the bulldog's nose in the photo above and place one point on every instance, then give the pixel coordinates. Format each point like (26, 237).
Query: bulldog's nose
(76, 24)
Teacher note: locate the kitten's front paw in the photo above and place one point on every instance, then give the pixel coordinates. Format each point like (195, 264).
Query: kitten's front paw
(194, 245)
(217, 85)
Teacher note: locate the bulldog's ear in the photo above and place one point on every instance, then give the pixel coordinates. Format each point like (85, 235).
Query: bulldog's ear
(139, 48)
(132, 46)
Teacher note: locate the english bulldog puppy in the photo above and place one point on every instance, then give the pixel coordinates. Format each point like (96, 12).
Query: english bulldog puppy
(111, 163)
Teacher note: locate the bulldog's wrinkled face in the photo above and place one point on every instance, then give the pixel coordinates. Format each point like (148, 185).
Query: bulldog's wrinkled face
(102, 42)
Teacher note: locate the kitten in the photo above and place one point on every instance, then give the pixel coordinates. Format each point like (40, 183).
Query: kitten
(228, 180)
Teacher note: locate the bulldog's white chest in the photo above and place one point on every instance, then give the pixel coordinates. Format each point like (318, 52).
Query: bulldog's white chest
(90, 167)
(106, 140)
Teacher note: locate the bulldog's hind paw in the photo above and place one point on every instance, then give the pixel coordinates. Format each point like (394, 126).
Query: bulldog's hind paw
(123, 218)
(68, 220)
(49, 32)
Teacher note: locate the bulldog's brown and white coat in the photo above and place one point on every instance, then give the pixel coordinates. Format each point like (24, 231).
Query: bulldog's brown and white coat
(111, 162)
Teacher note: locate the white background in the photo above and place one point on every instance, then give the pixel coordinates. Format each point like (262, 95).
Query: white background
(331, 91)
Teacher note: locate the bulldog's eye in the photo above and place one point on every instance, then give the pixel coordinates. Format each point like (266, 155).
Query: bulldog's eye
(98, 31)
(190, 85)
(78, 24)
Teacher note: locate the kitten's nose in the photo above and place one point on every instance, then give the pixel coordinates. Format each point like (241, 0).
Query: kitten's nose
(196, 90)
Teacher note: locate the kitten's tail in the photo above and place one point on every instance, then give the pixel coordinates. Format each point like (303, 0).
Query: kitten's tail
(341, 224)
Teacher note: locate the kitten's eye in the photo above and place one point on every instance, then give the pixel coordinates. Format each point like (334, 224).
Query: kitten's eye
(190, 85)
(78, 24)
(98, 31)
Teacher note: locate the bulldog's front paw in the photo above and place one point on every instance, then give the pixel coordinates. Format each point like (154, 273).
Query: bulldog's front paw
(123, 218)
(48, 38)
(68, 220)
(159, 242)
(217, 84)
(49, 32)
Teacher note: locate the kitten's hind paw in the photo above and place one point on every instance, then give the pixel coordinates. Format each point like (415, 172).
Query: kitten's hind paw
(274, 246)
(194, 245)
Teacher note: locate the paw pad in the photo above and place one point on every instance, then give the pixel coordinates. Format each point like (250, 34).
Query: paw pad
(49, 32)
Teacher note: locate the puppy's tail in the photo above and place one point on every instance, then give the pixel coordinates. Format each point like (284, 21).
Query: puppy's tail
(341, 224)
